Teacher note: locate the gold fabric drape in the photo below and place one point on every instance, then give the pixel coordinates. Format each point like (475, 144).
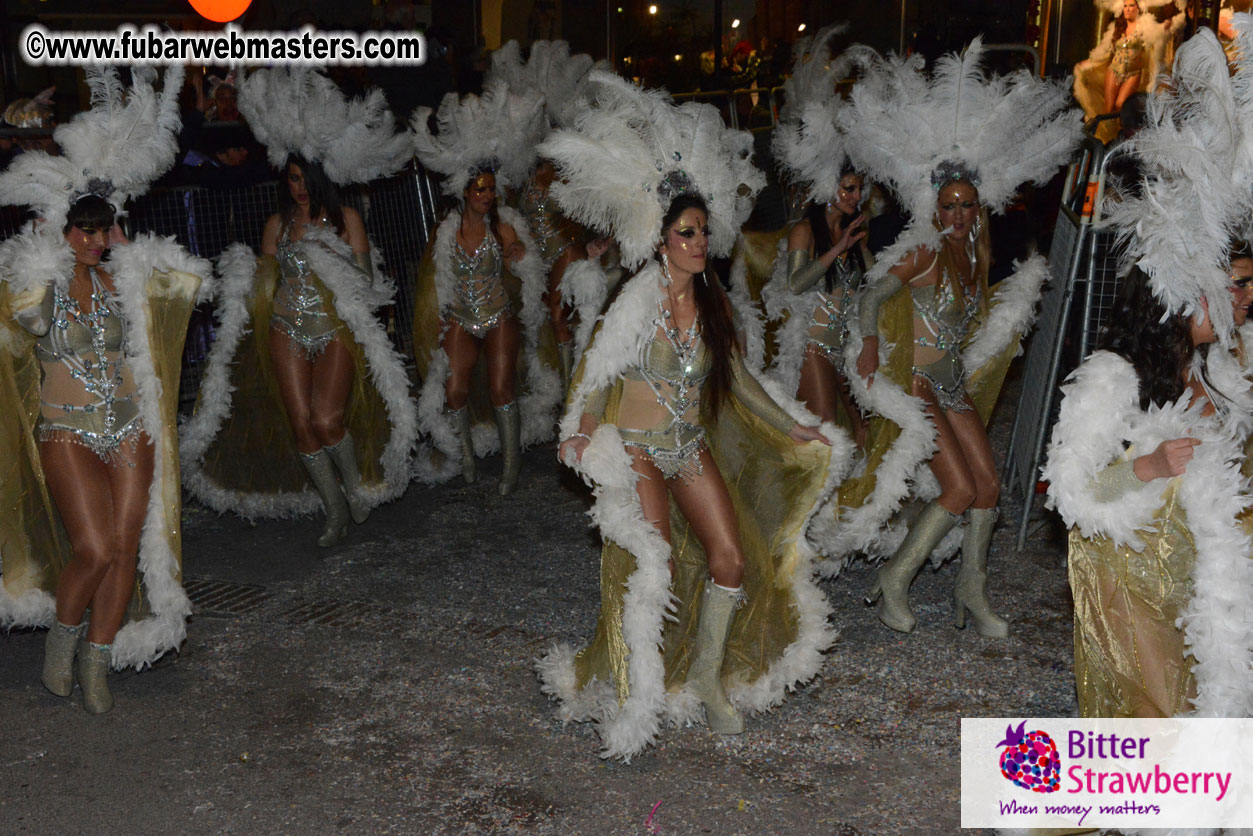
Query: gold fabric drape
(255, 449)
(1129, 655)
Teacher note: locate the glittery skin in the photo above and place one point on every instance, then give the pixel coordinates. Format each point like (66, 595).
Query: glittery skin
(88, 392)
(299, 309)
(1129, 57)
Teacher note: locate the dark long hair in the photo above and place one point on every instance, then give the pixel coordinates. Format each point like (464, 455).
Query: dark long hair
(323, 193)
(815, 213)
(716, 329)
(1120, 22)
(1157, 344)
(91, 211)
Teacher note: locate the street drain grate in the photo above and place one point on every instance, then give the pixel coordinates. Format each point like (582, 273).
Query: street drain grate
(351, 615)
(210, 596)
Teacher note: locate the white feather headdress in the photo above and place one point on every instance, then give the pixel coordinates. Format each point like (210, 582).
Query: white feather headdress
(1196, 155)
(298, 110)
(628, 156)
(808, 143)
(125, 141)
(551, 72)
(1114, 7)
(917, 131)
(496, 131)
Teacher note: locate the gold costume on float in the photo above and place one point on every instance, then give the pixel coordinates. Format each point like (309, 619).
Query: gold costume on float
(33, 545)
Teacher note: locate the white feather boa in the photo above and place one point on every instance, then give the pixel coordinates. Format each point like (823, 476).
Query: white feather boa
(540, 399)
(903, 470)
(627, 729)
(585, 287)
(1099, 412)
(748, 319)
(355, 300)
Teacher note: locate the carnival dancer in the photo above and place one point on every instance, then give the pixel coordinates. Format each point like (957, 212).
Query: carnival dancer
(305, 403)
(930, 345)
(480, 292)
(92, 333)
(560, 78)
(704, 481)
(1144, 459)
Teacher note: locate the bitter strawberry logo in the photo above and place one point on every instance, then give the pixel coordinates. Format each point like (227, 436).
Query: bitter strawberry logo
(1030, 760)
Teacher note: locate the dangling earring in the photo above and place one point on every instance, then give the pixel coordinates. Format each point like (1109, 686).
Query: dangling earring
(665, 269)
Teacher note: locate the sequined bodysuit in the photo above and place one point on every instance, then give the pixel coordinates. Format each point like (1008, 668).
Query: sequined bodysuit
(660, 408)
(1130, 57)
(480, 299)
(828, 323)
(300, 310)
(89, 393)
(941, 325)
(553, 233)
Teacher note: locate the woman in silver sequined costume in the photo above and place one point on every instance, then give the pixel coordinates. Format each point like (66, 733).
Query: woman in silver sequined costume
(312, 365)
(688, 368)
(826, 263)
(97, 456)
(948, 292)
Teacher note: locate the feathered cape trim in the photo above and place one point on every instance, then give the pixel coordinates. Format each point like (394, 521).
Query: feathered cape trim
(355, 300)
(1099, 413)
(538, 402)
(628, 728)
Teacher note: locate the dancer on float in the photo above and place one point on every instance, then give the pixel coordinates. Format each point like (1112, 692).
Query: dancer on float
(560, 78)
(930, 348)
(1127, 59)
(1144, 459)
(92, 332)
(303, 388)
(824, 260)
(480, 291)
(704, 482)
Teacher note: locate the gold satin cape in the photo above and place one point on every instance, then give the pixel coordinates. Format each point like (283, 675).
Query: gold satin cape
(34, 547)
(255, 450)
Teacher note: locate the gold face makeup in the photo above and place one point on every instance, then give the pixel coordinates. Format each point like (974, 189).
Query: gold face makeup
(88, 244)
(687, 241)
(957, 208)
(848, 196)
(481, 193)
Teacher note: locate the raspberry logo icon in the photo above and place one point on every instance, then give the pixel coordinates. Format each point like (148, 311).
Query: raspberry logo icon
(1030, 760)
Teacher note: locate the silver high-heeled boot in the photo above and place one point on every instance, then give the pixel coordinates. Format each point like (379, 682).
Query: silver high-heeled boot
(461, 420)
(344, 455)
(59, 649)
(717, 611)
(509, 425)
(971, 590)
(322, 472)
(897, 574)
(93, 672)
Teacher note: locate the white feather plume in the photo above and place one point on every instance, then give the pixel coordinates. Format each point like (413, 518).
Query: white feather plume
(298, 110)
(496, 131)
(550, 71)
(125, 141)
(902, 123)
(1197, 158)
(615, 157)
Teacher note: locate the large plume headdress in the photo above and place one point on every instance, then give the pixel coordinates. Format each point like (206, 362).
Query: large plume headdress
(1196, 156)
(298, 110)
(116, 149)
(917, 131)
(496, 131)
(550, 71)
(808, 144)
(629, 155)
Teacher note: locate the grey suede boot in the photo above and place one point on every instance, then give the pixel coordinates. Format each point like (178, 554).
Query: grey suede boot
(971, 591)
(509, 425)
(59, 649)
(897, 574)
(461, 420)
(344, 455)
(322, 472)
(717, 611)
(565, 356)
(93, 672)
